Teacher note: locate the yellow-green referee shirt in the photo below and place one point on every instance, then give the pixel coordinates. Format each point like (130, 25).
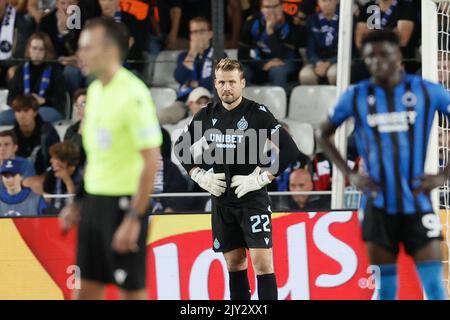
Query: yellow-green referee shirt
(120, 121)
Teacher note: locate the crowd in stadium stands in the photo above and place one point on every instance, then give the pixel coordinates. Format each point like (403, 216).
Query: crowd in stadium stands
(280, 43)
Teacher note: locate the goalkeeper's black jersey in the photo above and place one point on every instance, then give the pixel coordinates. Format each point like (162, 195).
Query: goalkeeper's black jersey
(236, 142)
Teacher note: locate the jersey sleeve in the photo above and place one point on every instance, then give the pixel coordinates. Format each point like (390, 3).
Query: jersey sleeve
(143, 123)
(343, 109)
(191, 134)
(441, 98)
(288, 151)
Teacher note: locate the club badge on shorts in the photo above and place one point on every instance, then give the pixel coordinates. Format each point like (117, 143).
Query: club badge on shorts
(216, 244)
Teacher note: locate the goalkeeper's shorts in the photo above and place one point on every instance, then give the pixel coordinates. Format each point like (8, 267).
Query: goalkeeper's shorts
(234, 228)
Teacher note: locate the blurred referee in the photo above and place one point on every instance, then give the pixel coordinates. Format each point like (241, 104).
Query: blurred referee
(121, 136)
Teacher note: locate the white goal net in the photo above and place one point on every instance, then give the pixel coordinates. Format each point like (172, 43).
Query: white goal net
(441, 17)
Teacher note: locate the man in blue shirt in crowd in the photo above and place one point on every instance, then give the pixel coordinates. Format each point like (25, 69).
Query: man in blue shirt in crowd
(393, 114)
(16, 200)
(322, 45)
(269, 45)
(194, 69)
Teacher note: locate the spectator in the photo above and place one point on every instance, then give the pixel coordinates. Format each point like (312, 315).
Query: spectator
(322, 168)
(194, 69)
(300, 180)
(73, 133)
(8, 149)
(396, 15)
(63, 177)
(65, 41)
(269, 45)
(34, 135)
(138, 37)
(38, 8)
(202, 8)
(299, 10)
(321, 171)
(167, 14)
(197, 99)
(43, 80)
(19, 5)
(16, 200)
(14, 32)
(322, 44)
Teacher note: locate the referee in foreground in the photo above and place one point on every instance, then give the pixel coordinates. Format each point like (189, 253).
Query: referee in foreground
(122, 137)
(236, 132)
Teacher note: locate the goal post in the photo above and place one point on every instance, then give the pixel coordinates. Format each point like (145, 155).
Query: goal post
(342, 82)
(435, 67)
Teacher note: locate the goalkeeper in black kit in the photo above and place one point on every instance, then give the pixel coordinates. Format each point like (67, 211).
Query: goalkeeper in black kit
(233, 149)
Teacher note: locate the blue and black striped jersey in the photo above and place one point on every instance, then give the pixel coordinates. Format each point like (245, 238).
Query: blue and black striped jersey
(392, 130)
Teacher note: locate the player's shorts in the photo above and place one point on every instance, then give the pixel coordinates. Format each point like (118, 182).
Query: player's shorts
(100, 218)
(389, 230)
(235, 228)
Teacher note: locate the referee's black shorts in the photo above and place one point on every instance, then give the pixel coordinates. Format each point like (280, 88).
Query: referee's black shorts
(100, 218)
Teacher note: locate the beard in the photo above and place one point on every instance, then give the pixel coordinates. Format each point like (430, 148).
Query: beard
(228, 98)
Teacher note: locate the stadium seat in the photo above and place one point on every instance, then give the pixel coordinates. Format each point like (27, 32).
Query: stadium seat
(163, 97)
(4, 99)
(303, 135)
(67, 113)
(310, 104)
(165, 65)
(61, 127)
(175, 131)
(232, 53)
(272, 97)
(5, 128)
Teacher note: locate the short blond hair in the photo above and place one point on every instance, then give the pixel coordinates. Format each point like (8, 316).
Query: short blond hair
(227, 64)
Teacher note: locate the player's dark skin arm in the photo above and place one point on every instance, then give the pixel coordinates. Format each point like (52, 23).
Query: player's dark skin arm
(431, 181)
(323, 137)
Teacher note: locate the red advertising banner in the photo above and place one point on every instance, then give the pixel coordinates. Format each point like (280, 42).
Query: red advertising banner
(316, 256)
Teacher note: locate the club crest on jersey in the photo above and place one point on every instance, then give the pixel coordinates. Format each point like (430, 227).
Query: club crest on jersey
(214, 120)
(262, 108)
(409, 99)
(371, 100)
(242, 124)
